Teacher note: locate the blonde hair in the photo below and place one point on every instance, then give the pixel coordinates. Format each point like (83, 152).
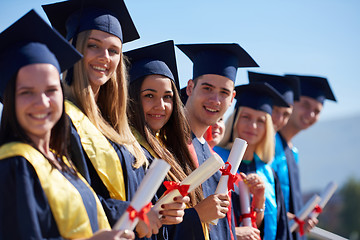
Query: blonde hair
(108, 114)
(265, 149)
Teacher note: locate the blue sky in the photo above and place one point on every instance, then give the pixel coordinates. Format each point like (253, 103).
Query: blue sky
(319, 37)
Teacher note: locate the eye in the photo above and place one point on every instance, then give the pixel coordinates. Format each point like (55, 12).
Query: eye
(168, 96)
(149, 95)
(114, 51)
(25, 93)
(92, 45)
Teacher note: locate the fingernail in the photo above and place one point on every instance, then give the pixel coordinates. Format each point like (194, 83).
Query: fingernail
(163, 206)
(160, 212)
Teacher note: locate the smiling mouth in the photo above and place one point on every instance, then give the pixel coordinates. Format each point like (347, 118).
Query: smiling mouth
(102, 69)
(155, 115)
(211, 110)
(39, 116)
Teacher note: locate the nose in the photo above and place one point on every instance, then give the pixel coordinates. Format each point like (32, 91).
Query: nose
(43, 100)
(160, 104)
(215, 98)
(104, 56)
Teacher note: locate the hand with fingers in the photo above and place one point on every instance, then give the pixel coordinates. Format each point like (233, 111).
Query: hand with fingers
(172, 213)
(213, 207)
(143, 230)
(247, 233)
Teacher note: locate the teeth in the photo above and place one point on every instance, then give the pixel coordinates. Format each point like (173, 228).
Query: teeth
(40, 116)
(156, 116)
(211, 110)
(99, 68)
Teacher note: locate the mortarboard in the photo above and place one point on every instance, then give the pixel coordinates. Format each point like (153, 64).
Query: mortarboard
(183, 95)
(288, 87)
(154, 59)
(31, 40)
(220, 59)
(259, 96)
(317, 88)
(74, 16)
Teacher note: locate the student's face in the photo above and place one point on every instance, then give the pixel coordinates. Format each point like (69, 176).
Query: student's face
(38, 99)
(218, 131)
(306, 112)
(210, 98)
(156, 96)
(251, 125)
(280, 116)
(101, 57)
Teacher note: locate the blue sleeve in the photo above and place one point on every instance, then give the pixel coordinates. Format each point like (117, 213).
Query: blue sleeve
(189, 228)
(24, 210)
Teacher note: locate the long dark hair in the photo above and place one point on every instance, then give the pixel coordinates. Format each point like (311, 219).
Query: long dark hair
(10, 129)
(174, 136)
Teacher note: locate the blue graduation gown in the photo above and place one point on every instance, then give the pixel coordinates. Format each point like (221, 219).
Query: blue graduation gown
(189, 228)
(286, 166)
(222, 229)
(24, 209)
(113, 208)
(275, 224)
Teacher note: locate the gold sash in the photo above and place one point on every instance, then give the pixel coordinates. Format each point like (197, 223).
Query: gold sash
(64, 199)
(100, 152)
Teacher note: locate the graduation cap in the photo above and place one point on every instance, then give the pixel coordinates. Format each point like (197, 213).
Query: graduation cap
(317, 88)
(221, 59)
(74, 16)
(259, 96)
(31, 40)
(154, 59)
(288, 87)
(183, 95)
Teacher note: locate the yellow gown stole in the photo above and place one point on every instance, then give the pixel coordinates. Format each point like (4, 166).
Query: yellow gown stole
(146, 145)
(65, 201)
(100, 152)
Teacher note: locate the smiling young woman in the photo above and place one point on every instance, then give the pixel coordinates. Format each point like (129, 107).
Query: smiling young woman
(45, 196)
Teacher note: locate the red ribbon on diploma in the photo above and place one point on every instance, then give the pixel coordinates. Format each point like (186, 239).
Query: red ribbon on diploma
(251, 215)
(232, 177)
(317, 209)
(183, 189)
(141, 214)
(301, 225)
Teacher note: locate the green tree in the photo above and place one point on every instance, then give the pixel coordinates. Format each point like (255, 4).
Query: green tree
(350, 211)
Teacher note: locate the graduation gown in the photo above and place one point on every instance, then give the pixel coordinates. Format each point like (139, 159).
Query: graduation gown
(190, 227)
(82, 151)
(222, 229)
(275, 224)
(286, 166)
(32, 190)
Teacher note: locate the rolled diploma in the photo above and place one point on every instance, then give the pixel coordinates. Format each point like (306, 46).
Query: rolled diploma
(325, 197)
(145, 192)
(235, 157)
(305, 211)
(244, 202)
(318, 233)
(197, 177)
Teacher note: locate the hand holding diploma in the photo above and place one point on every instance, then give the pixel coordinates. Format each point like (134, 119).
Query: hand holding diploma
(304, 213)
(229, 177)
(325, 197)
(194, 180)
(141, 203)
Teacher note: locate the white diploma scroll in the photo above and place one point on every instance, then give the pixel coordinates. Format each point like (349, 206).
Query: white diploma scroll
(236, 155)
(318, 233)
(244, 203)
(305, 211)
(325, 197)
(195, 179)
(145, 192)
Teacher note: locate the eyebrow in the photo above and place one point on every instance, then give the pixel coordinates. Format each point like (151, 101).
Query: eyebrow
(98, 40)
(210, 85)
(153, 90)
